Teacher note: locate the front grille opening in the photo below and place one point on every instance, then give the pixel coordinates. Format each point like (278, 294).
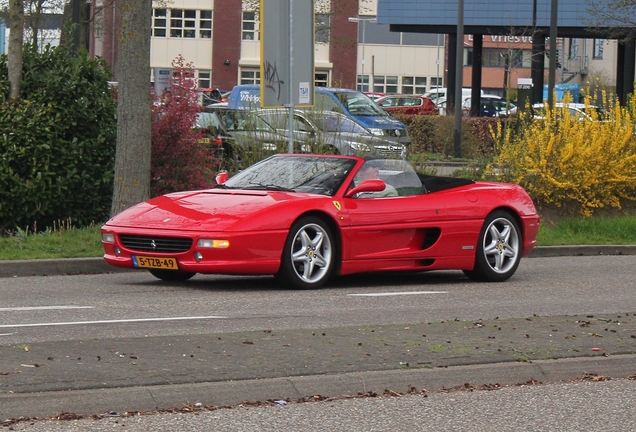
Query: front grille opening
(389, 151)
(156, 244)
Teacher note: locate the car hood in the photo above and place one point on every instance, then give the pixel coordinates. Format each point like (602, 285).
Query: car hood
(213, 210)
(380, 122)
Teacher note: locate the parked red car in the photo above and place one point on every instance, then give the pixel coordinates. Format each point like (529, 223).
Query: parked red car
(374, 95)
(408, 104)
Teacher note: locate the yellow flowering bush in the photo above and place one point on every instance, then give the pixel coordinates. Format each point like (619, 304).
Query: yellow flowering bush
(562, 158)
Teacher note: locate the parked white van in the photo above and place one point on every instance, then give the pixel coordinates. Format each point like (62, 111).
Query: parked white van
(437, 94)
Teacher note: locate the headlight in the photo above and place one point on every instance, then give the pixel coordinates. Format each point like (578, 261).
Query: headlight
(360, 147)
(213, 244)
(376, 131)
(108, 238)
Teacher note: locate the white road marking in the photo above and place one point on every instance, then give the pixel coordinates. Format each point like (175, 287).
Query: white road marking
(6, 334)
(385, 294)
(110, 321)
(31, 308)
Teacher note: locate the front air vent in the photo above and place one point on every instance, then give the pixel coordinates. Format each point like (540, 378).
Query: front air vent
(156, 244)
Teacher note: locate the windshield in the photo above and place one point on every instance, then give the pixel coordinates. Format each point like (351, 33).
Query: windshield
(335, 123)
(320, 175)
(207, 120)
(243, 120)
(359, 104)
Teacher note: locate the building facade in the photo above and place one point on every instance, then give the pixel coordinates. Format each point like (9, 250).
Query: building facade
(583, 54)
(355, 47)
(222, 40)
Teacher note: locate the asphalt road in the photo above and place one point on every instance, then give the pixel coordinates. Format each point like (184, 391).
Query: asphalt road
(124, 341)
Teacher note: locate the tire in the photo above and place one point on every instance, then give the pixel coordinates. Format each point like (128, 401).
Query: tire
(309, 255)
(498, 249)
(171, 275)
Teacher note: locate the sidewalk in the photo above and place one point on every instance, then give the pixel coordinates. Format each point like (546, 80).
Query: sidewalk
(138, 374)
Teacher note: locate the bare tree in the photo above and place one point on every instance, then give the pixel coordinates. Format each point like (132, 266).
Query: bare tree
(132, 160)
(35, 14)
(14, 60)
(613, 15)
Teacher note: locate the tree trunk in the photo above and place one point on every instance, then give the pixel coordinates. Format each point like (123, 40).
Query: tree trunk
(14, 60)
(132, 160)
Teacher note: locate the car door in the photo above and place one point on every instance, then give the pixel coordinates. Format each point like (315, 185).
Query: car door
(389, 227)
(411, 106)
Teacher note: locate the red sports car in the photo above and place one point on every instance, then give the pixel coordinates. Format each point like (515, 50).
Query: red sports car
(305, 218)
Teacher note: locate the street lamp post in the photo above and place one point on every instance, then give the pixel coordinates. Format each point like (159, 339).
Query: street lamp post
(363, 21)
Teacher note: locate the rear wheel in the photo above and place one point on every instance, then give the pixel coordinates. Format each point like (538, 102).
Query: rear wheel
(171, 275)
(498, 250)
(309, 255)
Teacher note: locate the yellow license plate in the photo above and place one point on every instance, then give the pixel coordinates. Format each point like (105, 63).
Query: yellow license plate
(154, 262)
(205, 140)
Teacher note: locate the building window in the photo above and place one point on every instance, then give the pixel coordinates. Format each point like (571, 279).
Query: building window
(205, 24)
(385, 84)
(182, 23)
(413, 85)
(598, 49)
(363, 83)
(204, 78)
(574, 49)
(159, 23)
(437, 82)
(250, 25)
(321, 79)
(468, 56)
(250, 76)
(322, 28)
(516, 58)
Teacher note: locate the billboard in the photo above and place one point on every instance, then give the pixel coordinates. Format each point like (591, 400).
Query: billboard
(287, 53)
(163, 80)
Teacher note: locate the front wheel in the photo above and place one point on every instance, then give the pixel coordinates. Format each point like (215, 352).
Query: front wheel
(171, 275)
(309, 255)
(498, 249)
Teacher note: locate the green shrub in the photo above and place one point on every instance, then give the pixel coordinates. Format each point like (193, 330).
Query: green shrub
(57, 143)
(435, 135)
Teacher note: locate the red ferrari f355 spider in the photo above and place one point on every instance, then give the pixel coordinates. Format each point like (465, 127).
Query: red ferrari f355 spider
(306, 218)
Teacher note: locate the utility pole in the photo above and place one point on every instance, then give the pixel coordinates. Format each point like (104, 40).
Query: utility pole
(459, 56)
(553, 58)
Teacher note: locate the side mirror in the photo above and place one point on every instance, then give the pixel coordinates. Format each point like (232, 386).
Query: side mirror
(222, 177)
(374, 185)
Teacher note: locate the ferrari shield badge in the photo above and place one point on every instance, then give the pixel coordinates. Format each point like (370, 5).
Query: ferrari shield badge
(337, 205)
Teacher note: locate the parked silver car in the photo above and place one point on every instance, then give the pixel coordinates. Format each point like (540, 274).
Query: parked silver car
(239, 127)
(332, 132)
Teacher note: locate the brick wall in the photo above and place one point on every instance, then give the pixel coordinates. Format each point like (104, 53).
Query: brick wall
(343, 43)
(226, 37)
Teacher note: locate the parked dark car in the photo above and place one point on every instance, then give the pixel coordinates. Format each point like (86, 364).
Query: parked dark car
(491, 106)
(212, 96)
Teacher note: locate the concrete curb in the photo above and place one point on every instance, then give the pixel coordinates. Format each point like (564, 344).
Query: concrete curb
(56, 267)
(229, 393)
(71, 266)
(582, 250)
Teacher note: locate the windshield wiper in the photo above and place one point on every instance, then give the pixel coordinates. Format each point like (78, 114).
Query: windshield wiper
(269, 187)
